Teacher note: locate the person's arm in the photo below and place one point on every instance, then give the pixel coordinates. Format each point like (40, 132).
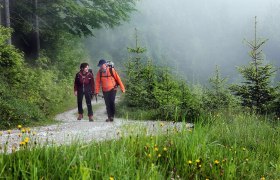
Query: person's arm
(76, 85)
(119, 81)
(97, 83)
(92, 84)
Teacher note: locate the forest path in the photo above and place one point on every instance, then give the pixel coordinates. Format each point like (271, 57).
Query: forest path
(69, 129)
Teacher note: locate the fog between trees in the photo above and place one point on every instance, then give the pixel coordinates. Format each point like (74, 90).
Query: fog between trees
(194, 36)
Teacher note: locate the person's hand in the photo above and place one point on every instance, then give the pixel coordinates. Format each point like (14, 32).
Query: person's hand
(75, 93)
(123, 91)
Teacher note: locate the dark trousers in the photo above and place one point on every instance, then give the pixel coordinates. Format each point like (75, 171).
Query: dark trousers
(109, 98)
(88, 101)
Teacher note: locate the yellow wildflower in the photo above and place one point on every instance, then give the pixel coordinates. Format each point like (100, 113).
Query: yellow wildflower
(262, 178)
(1, 133)
(197, 161)
(156, 149)
(189, 162)
(161, 124)
(165, 149)
(216, 162)
(111, 178)
(244, 149)
(34, 133)
(23, 130)
(9, 131)
(19, 126)
(159, 155)
(22, 143)
(19, 134)
(26, 140)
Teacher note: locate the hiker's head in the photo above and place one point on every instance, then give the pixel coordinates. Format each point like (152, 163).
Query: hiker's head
(84, 67)
(101, 62)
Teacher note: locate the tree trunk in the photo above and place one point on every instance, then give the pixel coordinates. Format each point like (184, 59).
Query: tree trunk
(1, 7)
(36, 29)
(7, 18)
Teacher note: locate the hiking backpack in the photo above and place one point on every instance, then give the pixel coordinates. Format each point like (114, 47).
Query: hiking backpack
(110, 64)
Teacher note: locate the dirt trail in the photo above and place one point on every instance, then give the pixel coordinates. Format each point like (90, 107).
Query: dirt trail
(69, 129)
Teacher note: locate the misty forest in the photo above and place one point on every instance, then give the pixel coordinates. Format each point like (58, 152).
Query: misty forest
(213, 64)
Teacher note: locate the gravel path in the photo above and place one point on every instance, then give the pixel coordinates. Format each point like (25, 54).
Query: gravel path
(69, 129)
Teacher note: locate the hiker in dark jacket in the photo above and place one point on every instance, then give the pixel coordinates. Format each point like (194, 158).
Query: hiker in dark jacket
(108, 78)
(84, 85)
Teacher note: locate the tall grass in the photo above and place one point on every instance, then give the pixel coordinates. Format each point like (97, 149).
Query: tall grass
(224, 146)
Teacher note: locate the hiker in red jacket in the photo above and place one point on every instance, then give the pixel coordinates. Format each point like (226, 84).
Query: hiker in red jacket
(84, 85)
(109, 79)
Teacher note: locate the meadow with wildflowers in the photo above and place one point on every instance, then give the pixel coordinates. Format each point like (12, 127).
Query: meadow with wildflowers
(222, 146)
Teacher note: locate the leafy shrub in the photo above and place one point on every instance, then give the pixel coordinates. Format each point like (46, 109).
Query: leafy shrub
(18, 111)
(14, 110)
(29, 94)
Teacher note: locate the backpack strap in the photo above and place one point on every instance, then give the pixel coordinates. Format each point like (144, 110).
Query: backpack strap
(112, 74)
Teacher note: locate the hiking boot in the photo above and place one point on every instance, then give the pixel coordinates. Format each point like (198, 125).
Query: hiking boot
(110, 119)
(80, 117)
(90, 118)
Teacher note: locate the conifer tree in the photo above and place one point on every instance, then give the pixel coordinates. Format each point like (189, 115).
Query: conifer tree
(149, 77)
(218, 95)
(167, 93)
(135, 83)
(256, 91)
(189, 105)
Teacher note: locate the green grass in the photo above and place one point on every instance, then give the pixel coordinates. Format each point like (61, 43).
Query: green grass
(135, 113)
(223, 146)
(69, 103)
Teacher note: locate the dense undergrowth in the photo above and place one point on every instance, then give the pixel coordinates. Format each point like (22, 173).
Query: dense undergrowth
(32, 93)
